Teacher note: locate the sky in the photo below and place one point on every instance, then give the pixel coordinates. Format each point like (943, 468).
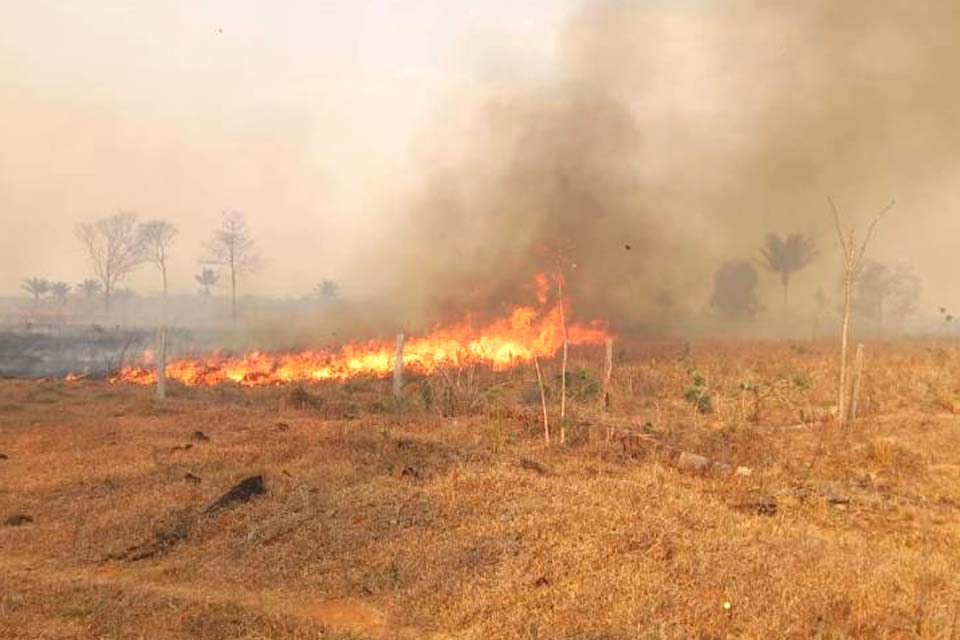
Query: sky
(300, 114)
(357, 136)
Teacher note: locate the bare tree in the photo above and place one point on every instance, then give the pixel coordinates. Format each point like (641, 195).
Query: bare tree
(852, 254)
(207, 279)
(233, 248)
(560, 255)
(787, 255)
(155, 238)
(112, 244)
(37, 288)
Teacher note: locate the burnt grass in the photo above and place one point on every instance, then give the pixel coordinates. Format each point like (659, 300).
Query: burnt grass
(445, 512)
(93, 351)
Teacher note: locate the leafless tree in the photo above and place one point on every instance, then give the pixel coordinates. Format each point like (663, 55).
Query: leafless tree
(155, 238)
(852, 254)
(560, 256)
(232, 247)
(112, 245)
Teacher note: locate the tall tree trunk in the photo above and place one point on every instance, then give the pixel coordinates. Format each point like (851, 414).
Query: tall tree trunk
(398, 368)
(233, 297)
(563, 368)
(162, 364)
(543, 402)
(842, 393)
(162, 350)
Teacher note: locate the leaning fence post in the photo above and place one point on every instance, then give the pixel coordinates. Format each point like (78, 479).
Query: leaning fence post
(607, 373)
(857, 382)
(543, 402)
(162, 364)
(398, 367)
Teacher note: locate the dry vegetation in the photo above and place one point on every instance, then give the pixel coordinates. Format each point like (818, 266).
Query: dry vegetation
(445, 516)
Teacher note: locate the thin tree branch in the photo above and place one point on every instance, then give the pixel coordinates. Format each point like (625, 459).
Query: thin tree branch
(836, 224)
(873, 224)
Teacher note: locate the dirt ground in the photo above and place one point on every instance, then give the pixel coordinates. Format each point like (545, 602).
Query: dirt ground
(445, 515)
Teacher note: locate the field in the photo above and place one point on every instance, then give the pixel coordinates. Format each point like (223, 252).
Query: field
(713, 498)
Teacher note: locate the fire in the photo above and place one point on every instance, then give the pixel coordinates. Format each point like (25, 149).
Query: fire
(519, 337)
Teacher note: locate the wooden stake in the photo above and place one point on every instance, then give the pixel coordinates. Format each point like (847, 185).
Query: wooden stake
(857, 383)
(607, 372)
(563, 367)
(162, 364)
(398, 368)
(543, 402)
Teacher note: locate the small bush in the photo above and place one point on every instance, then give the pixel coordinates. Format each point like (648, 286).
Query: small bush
(583, 384)
(698, 394)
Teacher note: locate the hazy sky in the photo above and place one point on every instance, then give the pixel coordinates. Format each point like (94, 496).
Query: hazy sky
(299, 113)
(324, 121)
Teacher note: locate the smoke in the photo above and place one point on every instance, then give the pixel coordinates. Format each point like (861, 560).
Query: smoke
(427, 170)
(676, 135)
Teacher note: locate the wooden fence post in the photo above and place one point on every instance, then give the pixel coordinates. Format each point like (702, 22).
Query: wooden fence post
(162, 364)
(857, 383)
(607, 372)
(543, 402)
(398, 368)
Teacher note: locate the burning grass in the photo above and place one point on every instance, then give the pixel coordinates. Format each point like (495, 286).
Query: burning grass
(525, 333)
(443, 515)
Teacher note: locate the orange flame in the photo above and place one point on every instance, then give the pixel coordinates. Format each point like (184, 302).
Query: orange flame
(518, 338)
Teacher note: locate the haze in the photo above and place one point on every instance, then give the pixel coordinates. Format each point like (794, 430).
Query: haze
(448, 140)
(301, 116)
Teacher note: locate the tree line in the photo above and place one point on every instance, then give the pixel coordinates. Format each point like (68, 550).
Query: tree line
(117, 245)
(878, 291)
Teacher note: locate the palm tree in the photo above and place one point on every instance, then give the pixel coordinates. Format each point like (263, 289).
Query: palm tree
(36, 287)
(89, 288)
(60, 291)
(326, 290)
(786, 256)
(207, 278)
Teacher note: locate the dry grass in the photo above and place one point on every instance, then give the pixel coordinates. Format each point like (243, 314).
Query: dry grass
(444, 516)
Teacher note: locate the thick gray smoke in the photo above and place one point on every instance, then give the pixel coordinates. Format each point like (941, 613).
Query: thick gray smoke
(677, 136)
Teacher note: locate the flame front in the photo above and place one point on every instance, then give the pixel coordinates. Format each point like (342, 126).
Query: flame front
(526, 333)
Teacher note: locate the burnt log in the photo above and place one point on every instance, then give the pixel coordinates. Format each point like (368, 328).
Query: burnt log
(244, 491)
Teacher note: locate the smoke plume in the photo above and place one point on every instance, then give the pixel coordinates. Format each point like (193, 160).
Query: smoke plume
(676, 135)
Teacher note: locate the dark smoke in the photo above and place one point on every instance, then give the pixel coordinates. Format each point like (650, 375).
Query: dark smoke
(686, 130)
